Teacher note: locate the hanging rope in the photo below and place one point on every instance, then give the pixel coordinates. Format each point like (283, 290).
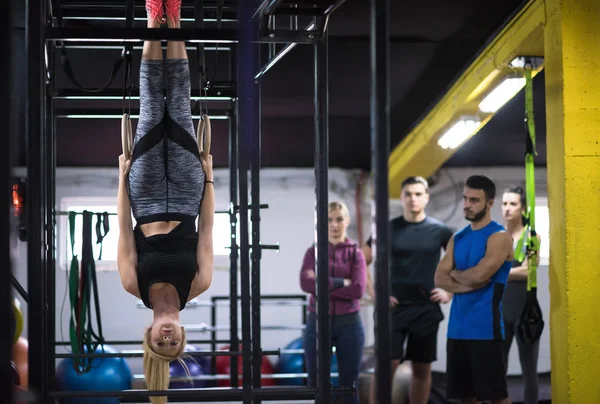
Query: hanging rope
(82, 285)
(531, 322)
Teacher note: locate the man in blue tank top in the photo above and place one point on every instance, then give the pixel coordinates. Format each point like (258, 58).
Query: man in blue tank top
(475, 268)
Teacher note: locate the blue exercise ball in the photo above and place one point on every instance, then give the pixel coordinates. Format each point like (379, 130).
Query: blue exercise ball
(294, 363)
(196, 365)
(105, 374)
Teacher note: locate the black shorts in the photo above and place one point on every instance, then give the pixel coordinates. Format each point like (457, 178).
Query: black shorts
(419, 348)
(476, 369)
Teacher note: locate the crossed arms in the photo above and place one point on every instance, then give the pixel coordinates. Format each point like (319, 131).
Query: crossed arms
(346, 289)
(499, 249)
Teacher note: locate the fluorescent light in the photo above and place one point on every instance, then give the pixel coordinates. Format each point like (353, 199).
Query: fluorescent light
(458, 133)
(501, 94)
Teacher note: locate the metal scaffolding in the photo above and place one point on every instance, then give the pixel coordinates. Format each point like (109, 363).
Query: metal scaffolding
(242, 29)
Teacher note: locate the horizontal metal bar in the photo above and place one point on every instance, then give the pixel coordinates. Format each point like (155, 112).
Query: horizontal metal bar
(205, 303)
(72, 5)
(195, 35)
(227, 377)
(92, 97)
(133, 342)
(286, 49)
(141, 18)
(139, 353)
(97, 45)
(261, 206)
(290, 36)
(220, 90)
(206, 394)
(209, 328)
(267, 297)
(270, 246)
(79, 115)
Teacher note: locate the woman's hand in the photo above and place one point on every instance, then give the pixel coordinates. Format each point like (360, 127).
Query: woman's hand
(124, 165)
(207, 167)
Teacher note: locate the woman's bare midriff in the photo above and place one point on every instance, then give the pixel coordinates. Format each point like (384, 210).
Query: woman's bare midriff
(154, 228)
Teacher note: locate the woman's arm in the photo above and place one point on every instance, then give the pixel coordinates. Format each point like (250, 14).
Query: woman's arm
(356, 288)
(520, 273)
(204, 252)
(308, 277)
(126, 252)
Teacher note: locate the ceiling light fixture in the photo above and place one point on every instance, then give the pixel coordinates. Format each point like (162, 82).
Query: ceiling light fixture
(500, 95)
(459, 133)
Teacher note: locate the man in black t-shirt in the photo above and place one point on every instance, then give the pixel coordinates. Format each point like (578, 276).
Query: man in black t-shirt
(415, 247)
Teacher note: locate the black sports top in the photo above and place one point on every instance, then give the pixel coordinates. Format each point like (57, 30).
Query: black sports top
(169, 258)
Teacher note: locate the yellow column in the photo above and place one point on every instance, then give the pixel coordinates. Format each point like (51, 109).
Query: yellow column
(572, 65)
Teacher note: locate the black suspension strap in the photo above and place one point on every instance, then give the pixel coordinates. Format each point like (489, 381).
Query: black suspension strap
(123, 59)
(531, 322)
(102, 229)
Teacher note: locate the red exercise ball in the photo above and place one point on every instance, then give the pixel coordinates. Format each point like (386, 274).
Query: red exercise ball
(20, 358)
(223, 367)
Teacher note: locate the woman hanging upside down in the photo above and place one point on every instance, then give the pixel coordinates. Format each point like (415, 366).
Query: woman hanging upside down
(166, 183)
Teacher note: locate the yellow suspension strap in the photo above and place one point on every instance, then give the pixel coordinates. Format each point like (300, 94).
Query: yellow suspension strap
(531, 323)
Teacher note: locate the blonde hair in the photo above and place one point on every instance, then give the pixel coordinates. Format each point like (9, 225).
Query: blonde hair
(335, 205)
(156, 366)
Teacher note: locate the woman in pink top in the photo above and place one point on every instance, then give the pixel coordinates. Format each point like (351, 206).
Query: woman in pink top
(347, 278)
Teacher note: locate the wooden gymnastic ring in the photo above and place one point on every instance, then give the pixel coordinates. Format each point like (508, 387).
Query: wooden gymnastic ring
(126, 136)
(204, 135)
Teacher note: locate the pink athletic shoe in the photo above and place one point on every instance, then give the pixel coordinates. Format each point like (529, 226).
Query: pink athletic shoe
(173, 10)
(156, 10)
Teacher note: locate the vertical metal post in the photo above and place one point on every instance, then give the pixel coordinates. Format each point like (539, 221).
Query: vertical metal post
(322, 242)
(255, 161)
(380, 145)
(234, 253)
(6, 338)
(50, 185)
(35, 24)
(248, 131)
(213, 333)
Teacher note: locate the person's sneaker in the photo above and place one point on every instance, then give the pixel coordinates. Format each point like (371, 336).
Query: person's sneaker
(156, 10)
(173, 10)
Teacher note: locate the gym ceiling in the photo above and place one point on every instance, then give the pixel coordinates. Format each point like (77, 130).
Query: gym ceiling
(432, 43)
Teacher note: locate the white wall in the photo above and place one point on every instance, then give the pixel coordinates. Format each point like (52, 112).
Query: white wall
(288, 221)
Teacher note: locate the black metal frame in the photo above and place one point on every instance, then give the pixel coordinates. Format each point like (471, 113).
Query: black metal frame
(6, 339)
(244, 155)
(36, 204)
(380, 147)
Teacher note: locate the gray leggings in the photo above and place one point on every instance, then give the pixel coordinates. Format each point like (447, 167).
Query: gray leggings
(513, 302)
(166, 180)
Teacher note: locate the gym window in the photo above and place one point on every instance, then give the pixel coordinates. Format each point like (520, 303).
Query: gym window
(221, 233)
(542, 227)
(109, 243)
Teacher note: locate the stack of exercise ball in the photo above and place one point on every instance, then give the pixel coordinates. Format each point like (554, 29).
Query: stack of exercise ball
(20, 348)
(294, 363)
(224, 368)
(197, 366)
(106, 374)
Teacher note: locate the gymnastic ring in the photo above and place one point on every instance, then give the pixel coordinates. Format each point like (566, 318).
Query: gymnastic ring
(126, 135)
(204, 135)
